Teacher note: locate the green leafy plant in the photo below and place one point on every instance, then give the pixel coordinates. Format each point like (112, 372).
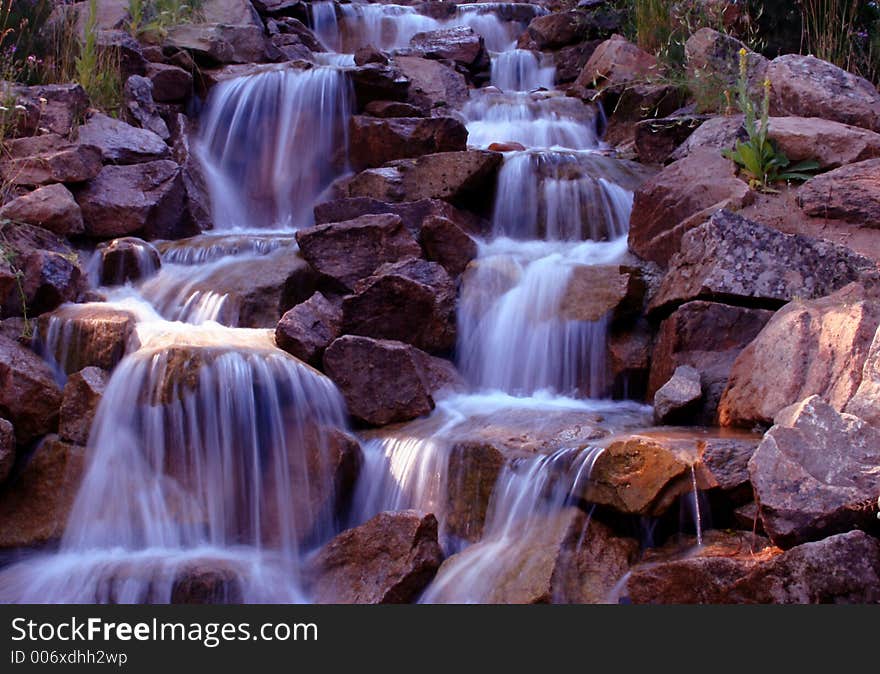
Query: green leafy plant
(8, 258)
(98, 70)
(154, 16)
(758, 157)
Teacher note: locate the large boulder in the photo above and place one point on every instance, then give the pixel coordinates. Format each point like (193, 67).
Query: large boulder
(434, 88)
(171, 83)
(712, 60)
(458, 177)
(384, 381)
(308, 329)
(558, 29)
(51, 207)
(126, 260)
(614, 63)
(414, 214)
(410, 301)
(121, 143)
(373, 142)
(841, 569)
(29, 396)
(147, 199)
(595, 291)
(81, 397)
(656, 139)
(211, 44)
(805, 86)
(828, 143)
(815, 473)
(380, 82)
(38, 271)
(707, 336)
(812, 347)
(35, 505)
(564, 557)
(83, 335)
(140, 107)
(716, 133)
(235, 12)
(43, 160)
(351, 250)
(57, 108)
(865, 403)
(676, 400)
(849, 193)
(446, 243)
(459, 44)
(680, 197)
(388, 560)
(731, 257)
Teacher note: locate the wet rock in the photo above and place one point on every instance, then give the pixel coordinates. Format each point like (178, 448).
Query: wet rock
(434, 88)
(472, 473)
(171, 84)
(681, 197)
(413, 213)
(629, 357)
(713, 57)
(507, 147)
(850, 193)
(42, 160)
(141, 107)
(682, 573)
(373, 142)
(815, 347)
(207, 583)
(707, 336)
(87, 335)
(615, 62)
(594, 291)
(7, 449)
(410, 301)
(259, 300)
(351, 250)
(308, 329)
(378, 82)
(121, 143)
(841, 569)
(146, 198)
(384, 381)
(570, 61)
(386, 109)
(64, 106)
(199, 217)
(38, 271)
(388, 560)
(731, 257)
(81, 396)
(828, 143)
(677, 398)
(35, 505)
(460, 45)
(453, 176)
(561, 558)
(213, 44)
(448, 244)
(657, 139)
(370, 54)
(804, 86)
(814, 474)
(51, 207)
(127, 260)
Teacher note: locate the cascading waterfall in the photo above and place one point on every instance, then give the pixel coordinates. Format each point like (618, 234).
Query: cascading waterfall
(520, 70)
(271, 143)
(209, 451)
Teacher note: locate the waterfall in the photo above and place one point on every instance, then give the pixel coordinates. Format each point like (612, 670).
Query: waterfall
(272, 142)
(210, 447)
(521, 70)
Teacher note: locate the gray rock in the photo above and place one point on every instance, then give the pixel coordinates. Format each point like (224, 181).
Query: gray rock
(677, 398)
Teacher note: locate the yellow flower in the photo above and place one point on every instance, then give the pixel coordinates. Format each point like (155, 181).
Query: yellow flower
(743, 52)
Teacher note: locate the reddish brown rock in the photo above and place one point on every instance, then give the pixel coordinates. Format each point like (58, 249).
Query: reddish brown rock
(446, 243)
(388, 560)
(815, 347)
(29, 396)
(127, 260)
(716, 133)
(141, 109)
(42, 160)
(380, 82)
(52, 207)
(560, 28)
(570, 61)
(615, 62)
(351, 250)
(121, 143)
(63, 108)
(830, 144)
(87, 335)
(718, 261)
(207, 583)
(411, 301)
(656, 139)
(814, 474)
(412, 213)
(707, 336)
(681, 197)
(804, 86)
(81, 396)
(594, 291)
(308, 329)
(34, 507)
(386, 109)
(216, 43)
(712, 57)
(459, 44)
(850, 193)
(373, 142)
(675, 401)
(433, 86)
(384, 381)
(170, 83)
(145, 198)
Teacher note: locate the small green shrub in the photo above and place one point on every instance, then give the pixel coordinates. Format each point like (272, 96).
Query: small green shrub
(98, 70)
(758, 157)
(154, 16)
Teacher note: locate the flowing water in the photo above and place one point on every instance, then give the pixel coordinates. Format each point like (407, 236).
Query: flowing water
(210, 461)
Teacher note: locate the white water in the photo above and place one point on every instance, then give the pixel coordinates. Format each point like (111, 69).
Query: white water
(521, 70)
